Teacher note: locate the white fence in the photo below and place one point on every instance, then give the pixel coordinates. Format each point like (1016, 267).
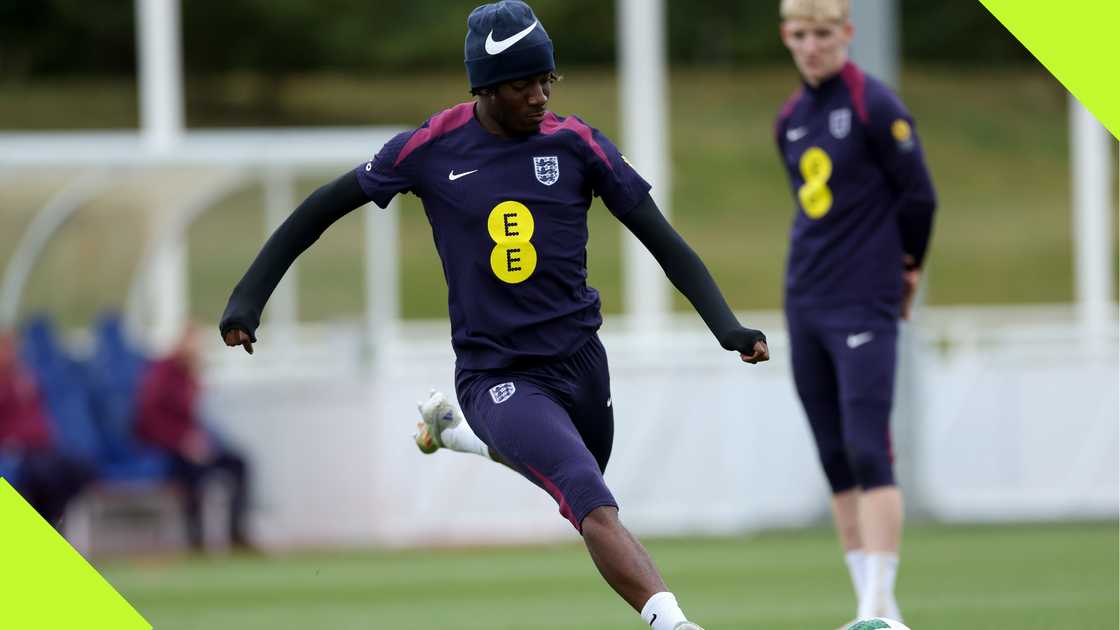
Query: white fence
(1014, 417)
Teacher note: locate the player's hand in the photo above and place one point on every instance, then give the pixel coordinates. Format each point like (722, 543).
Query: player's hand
(761, 353)
(749, 343)
(237, 337)
(910, 277)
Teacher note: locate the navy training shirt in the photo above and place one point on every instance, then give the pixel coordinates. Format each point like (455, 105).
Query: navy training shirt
(861, 187)
(509, 220)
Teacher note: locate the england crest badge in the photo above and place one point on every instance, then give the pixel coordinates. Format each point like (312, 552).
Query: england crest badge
(547, 169)
(840, 123)
(501, 393)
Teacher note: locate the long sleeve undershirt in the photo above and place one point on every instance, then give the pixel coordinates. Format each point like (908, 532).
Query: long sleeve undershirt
(689, 275)
(336, 199)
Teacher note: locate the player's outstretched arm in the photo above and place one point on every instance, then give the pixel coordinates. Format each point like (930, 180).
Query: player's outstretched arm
(691, 277)
(305, 225)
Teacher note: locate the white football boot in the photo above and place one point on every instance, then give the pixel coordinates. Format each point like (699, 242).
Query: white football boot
(437, 415)
(687, 625)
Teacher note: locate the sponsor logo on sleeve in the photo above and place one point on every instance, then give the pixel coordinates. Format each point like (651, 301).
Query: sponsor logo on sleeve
(903, 135)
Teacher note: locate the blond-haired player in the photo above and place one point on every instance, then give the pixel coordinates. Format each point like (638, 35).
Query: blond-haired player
(864, 208)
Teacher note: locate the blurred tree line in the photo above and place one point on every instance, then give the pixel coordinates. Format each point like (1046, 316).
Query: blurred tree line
(42, 38)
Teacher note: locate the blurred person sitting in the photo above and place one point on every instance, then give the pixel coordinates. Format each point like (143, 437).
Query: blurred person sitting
(169, 418)
(44, 475)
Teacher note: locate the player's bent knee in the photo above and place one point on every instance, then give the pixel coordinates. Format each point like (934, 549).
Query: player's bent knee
(868, 445)
(588, 495)
(578, 489)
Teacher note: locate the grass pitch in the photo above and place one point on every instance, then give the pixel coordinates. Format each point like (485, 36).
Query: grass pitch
(990, 577)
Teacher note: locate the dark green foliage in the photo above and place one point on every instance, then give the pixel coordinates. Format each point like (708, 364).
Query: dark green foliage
(51, 37)
(281, 37)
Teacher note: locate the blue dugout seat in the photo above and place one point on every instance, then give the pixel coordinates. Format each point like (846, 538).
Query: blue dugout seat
(92, 404)
(115, 372)
(61, 381)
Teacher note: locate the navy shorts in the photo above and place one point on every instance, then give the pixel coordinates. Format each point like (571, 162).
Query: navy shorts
(843, 365)
(553, 423)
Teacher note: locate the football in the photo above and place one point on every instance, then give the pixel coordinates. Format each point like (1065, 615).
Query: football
(878, 623)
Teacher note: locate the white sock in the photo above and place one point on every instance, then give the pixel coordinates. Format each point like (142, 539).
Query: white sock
(857, 569)
(463, 440)
(878, 597)
(662, 612)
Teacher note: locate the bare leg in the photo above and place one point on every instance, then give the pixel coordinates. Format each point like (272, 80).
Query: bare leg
(880, 519)
(846, 514)
(880, 515)
(621, 559)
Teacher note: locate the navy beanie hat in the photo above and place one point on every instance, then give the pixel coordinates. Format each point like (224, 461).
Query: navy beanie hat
(505, 42)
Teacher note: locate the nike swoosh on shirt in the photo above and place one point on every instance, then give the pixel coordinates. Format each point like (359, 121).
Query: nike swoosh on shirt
(855, 341)
(793, 135)
(452, 176)
(495, 47)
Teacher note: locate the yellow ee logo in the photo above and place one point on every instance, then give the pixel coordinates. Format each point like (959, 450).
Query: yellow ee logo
(815, 195)
(901, 131)
(511, 226)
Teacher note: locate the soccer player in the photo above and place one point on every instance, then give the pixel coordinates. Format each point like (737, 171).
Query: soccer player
(506, 185)
(864, 212)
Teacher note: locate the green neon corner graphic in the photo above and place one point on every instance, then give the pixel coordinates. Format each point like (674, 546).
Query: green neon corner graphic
(1076, 41)
(45, 584)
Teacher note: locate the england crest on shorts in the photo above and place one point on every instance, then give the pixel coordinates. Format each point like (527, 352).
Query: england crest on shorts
(840, 123)
(547, 169)
(503, 392)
